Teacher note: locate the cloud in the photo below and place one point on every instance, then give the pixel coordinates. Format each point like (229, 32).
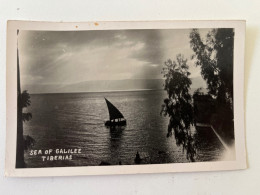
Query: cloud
(65, 57)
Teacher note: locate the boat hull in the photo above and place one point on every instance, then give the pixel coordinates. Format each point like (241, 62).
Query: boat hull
(118, 123)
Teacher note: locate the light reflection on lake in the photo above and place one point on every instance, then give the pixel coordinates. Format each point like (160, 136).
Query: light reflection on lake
(76, 120)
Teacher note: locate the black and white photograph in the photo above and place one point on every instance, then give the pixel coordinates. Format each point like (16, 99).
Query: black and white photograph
(129, 97)
(116, 97)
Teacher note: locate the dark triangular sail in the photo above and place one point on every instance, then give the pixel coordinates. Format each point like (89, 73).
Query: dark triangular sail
(114, 113)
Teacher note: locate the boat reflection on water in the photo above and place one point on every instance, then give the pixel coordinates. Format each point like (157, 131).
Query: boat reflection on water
(116, 132)
(77, 127)
(116, 124)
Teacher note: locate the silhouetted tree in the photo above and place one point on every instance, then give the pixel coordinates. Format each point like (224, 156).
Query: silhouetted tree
(19, 140)
(26, 116)
(215, 57)
(23, 100)
(178, 105)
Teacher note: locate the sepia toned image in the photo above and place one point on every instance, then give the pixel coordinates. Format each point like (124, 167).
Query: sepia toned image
(113, 97)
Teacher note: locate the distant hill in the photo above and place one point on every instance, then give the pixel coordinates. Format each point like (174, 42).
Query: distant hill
(116, 85)
(107, 85)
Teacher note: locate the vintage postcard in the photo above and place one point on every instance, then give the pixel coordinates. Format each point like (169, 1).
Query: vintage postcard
(96, 98)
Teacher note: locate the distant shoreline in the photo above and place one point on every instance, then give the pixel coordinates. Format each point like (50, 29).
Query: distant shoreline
(100, 86)
(112, 91)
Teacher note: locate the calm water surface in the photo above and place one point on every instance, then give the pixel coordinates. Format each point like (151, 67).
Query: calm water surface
(77, 121)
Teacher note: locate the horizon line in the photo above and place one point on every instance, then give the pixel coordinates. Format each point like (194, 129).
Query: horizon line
(101, 80)
(108, 91)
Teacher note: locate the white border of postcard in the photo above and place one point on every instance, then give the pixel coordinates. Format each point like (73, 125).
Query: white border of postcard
(11, 97)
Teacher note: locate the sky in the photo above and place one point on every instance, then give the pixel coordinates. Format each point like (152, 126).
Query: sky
(67, 57)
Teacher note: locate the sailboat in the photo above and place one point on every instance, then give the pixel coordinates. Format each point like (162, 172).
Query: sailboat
(116, 118)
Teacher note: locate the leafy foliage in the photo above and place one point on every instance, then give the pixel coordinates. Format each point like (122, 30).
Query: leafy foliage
(25, 99)
(198, 92)
(28, 142)
(215, 57)
(25, 102)
(178, 104)
(26, 116)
